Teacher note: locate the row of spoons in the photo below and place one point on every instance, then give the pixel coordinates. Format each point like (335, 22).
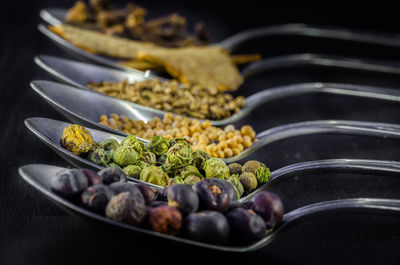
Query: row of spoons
(73, 103)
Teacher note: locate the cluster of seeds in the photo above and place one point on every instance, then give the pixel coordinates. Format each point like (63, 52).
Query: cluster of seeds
(188, 100)
(218, 142)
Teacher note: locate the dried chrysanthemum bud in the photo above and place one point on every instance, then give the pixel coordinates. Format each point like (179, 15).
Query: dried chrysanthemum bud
(77, 139)
(216, 168)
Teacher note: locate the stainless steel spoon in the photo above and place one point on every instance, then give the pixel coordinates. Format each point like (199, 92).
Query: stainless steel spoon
(39, 176)
(73, 102)
(55, 16)
(79, 74)
(49, 131)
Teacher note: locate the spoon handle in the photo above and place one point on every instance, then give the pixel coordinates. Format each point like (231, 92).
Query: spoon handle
(234, 41)
(317, 127)
(386, 205)
(346, 165)
(372, 92)
(369, 205)
(302, 59)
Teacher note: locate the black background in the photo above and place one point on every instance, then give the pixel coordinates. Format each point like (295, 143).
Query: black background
(33, 230)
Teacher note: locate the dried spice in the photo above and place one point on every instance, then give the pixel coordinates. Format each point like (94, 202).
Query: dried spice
(125, 156)
(130, 22)
(218, 142)
(173, 160)
(154, 175)
(208, 66)
(204, 210)
(77, 139)
(188, 100)
(216, 168)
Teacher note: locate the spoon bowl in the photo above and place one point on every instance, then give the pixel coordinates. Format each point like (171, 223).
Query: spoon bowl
(49, 131)
(39, 176)
(55, 16)
(73, 104)
(64, 97)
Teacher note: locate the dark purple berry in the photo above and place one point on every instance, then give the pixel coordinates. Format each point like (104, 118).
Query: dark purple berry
(165, 219)
(212, 196)
(96, 197)
(269, 206)
(246, 226)
(155, 204)
(162, 194)
(93, 177)
(119, 187)
(206, 226)
(112, 174)
(148, 192)
(126, 208)
(69, 182)
(183, 197)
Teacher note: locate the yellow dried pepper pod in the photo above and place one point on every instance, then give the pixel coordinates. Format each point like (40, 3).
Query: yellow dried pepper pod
(77, 139)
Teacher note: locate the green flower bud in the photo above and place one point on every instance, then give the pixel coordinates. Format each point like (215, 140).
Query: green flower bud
(142, 164)
(100, 157)
(154, 175)
(192, 179)
(179, 155)
(125, 156)
(132, 171)
(216, 168)
(129, 140)
(235, 181)
(180, 140)
(188, 174)
(169, 169)
(149, 157)
(110, 144)
(158, 145)
(132, 141)
(188, 169)
(199, 158)
(263, 174)
(178, 180)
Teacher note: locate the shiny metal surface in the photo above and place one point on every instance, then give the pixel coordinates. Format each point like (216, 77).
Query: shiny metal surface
(49, 131)
(39, 176)
(55, 16)
(80, 74)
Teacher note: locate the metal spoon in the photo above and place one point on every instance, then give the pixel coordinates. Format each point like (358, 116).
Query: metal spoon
(79, 74)
(55, 16)
(40, 175)
(49, 131)
(74, 102)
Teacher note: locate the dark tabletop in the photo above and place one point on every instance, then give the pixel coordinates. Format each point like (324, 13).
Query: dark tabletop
(34, 230)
